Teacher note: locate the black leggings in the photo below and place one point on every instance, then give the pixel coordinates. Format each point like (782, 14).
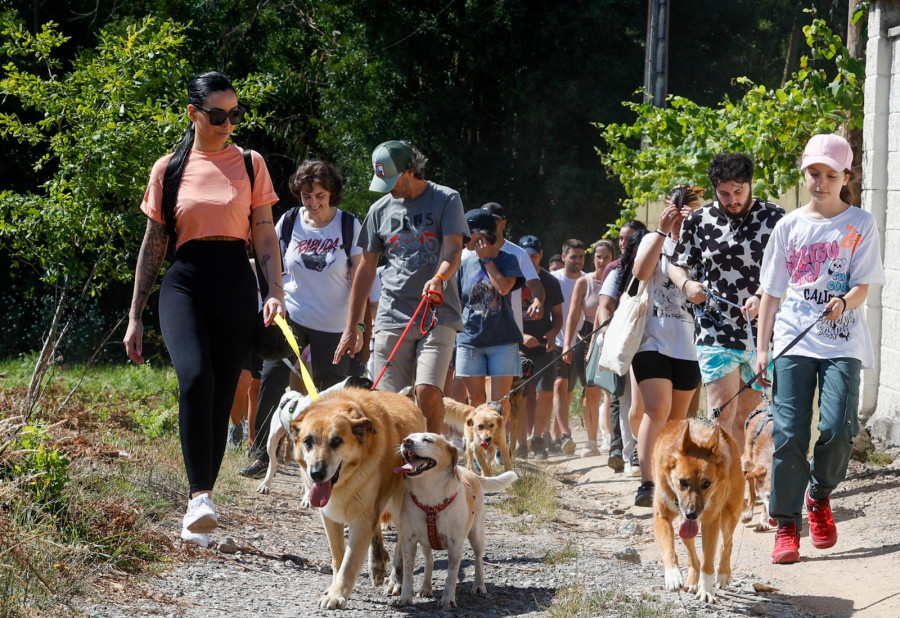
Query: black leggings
(207, 306)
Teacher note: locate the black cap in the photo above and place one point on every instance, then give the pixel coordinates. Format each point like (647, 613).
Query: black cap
(531, 244)
(495, 209)
(480, 221)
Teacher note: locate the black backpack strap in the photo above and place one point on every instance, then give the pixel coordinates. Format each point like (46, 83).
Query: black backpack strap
(248, 163)
(347, 220)
(287, 228)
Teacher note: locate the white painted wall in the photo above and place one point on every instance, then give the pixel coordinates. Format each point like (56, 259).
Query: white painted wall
(880, 390)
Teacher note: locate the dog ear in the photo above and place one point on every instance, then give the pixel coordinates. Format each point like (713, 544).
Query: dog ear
(360, 427)
(470, 421)
(686, 442)
(454, 459)
(715, 441)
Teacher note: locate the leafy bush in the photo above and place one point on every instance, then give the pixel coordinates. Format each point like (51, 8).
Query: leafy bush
(672, 145)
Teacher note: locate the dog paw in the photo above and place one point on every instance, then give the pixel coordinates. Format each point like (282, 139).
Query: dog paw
(706, 588)
(723, 579)
(402, 601)
(746, 517)
(329, 600)
(674, 580)
(393, 589)
(448, 601)
(263, 488)
(480, 590)
(762, 526)
(426, 593)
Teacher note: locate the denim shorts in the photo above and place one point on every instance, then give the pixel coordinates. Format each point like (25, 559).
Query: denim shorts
(498, 360)
(717, 362)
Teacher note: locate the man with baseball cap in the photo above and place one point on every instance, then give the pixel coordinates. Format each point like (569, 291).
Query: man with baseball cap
(419, 226)
(539, 342)
(534, 290)
(720, 250)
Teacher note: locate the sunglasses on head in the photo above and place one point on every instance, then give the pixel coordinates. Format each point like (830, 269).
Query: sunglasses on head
(217, 116)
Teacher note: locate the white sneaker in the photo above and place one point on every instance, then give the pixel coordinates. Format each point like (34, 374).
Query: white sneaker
(634, 471)
(590, 450)
(201, 515)
(190, 537)
(604, 444)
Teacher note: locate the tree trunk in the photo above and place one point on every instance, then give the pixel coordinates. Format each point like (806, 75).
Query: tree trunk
(856, 46)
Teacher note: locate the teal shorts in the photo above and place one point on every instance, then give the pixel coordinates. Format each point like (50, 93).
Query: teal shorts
(717, 362)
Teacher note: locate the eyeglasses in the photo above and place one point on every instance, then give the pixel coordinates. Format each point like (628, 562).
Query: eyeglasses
(217, 116)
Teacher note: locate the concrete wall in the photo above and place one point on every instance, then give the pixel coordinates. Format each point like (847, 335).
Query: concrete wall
(880, 395)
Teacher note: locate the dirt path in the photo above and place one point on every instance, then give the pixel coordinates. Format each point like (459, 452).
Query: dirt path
(596, 557)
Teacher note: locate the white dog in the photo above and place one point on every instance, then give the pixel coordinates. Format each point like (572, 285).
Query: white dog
(442, 506)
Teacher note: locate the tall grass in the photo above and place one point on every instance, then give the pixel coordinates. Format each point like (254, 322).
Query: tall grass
(92, 484)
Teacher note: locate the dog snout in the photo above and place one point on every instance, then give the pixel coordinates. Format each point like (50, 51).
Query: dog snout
(488, 439)
(407, 442)
(691, 514)
(318, 472)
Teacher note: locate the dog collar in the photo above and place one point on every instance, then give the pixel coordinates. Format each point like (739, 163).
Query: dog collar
(431, 513)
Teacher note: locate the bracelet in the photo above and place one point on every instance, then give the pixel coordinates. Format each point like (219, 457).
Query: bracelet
(686, 281)
(841, 298)
(441, 277)
(661, 233)
(758, 295)
(362, 326)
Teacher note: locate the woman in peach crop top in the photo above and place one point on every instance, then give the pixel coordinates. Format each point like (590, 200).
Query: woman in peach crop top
(208, 304)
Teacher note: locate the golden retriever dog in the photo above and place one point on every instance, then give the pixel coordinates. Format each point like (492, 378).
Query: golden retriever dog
(697, 474)
(347, 445)
(484, 430)
(516, 413)
(443, 505)
(757, 465)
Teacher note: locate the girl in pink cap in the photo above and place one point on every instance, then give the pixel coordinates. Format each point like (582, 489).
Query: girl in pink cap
(823, 257)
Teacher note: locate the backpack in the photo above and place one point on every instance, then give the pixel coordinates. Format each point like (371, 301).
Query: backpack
(287, 229)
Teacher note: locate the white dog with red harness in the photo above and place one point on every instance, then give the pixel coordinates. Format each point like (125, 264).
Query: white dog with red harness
(443, 505)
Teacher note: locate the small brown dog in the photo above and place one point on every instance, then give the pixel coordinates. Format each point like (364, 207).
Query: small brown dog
(484, 430)
(757, 465)
(443, 505)
(697, 473)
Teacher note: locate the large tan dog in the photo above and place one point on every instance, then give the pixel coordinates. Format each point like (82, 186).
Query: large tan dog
(757, 465)
(484, 430)
(347, 444)
(443, 505)
(697, 473)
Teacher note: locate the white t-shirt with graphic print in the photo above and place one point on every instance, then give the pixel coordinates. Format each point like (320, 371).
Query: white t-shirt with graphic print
(316, 287)
(816, 260)
(669, 329)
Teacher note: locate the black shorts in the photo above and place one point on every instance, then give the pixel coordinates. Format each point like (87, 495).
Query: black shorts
(253, 364)
(569, 371)
(683, 374)
(541, 358)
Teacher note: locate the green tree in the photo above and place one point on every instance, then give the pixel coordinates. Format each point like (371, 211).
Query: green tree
(667, 146)
(97, 127)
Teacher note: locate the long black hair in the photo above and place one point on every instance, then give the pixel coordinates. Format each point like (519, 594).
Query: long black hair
(628, 255)
(200, 87)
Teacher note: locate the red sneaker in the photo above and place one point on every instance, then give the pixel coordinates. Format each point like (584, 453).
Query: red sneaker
(787, 545)
(822, 531)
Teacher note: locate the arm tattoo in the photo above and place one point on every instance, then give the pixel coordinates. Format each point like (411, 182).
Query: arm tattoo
(150, 259)
(264, 222)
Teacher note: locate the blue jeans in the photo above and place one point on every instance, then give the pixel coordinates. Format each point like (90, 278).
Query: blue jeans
(793, 388)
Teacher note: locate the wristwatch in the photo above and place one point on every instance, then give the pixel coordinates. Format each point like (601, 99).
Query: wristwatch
(486, 260)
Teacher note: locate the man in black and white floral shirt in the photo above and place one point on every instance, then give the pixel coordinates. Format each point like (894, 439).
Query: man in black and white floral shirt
(720, 250)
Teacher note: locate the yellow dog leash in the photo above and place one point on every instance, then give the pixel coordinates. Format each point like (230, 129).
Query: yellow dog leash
(292, 341)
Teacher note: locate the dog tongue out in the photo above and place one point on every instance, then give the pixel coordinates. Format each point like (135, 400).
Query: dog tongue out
(320, 494)
(410, 466)
(688, 528)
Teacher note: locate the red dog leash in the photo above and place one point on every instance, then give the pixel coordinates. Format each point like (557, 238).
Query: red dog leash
(423, 328)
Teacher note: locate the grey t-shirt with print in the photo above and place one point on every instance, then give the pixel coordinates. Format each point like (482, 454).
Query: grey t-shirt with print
(411, 234)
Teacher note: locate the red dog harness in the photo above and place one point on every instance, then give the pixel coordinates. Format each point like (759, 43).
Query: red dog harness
(431, 513)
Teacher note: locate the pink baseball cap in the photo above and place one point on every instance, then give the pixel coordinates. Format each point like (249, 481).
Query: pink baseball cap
(828, 149)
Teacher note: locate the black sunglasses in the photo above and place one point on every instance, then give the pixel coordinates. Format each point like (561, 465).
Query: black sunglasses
(217, 116)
